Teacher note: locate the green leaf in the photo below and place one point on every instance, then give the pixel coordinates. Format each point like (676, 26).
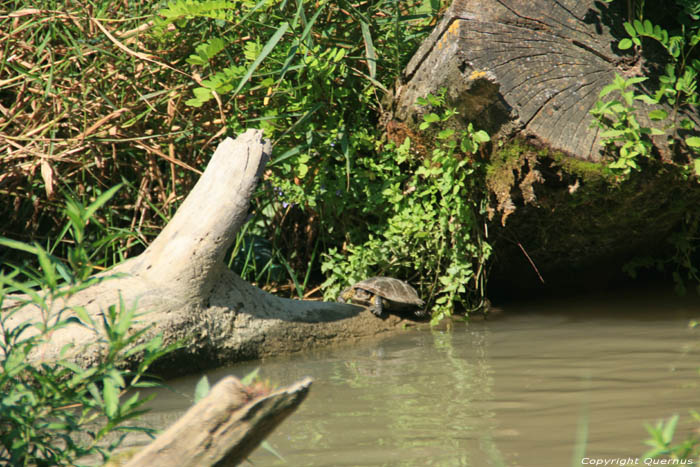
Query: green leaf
(126, 318)
(686, 124)
(16, 245)
(625, 44)
(48, 267)
(444, 134)
(201, 96)
(101, 200)
(431, 118)
(83, 315)
(481, 137)
(693, 142)
(131, 403)
(638, 26)
(302, 170)
(646, 99)
(658, 114)
(635, 80)
(435, 101)
(202, 389)
(669, 429)
(206, 51)
(251, 50)
(696, 166)
(607, 90)
(611, 133)
(339, 55)
(110, 393)
(116, 376)
(147, 384)
(630, 29)
(369, 49)
(618, 164)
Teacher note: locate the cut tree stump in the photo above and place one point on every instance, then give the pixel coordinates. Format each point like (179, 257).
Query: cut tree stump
(223, 428)
(535, 67)
(528, 72)
(191, 297)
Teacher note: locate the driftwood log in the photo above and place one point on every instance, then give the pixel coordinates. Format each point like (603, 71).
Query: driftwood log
(193, 298)
(528, 72)
(223, 428)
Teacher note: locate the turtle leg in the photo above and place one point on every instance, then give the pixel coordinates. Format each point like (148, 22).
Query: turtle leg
(376, 307)
(420, 313)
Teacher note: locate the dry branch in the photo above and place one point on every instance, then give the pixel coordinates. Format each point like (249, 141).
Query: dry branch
(223, 428)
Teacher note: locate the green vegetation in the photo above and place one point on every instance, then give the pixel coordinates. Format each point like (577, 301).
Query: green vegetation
(338, 202)
(424, 215)
(312, 76)
(629, 142)
(111, 94)
(54, 413)
(139, 95)
(660, 104)
(626, 137)
(662, 443)
(103, 94)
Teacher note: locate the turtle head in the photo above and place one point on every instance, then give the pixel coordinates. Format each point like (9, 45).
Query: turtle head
(346, 295)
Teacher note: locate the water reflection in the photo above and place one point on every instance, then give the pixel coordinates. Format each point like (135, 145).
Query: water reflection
(511, 392)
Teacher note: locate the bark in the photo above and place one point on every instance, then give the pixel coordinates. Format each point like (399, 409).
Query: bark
(190, 296)
(223, 428)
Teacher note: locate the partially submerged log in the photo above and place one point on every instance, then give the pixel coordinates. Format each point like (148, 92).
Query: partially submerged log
(528, 72)
(191, 297)
(223, 428)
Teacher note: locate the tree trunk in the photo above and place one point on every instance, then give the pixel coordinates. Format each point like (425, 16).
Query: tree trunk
(223, 428)
(193, 298)
(528, 72)
(535, 67)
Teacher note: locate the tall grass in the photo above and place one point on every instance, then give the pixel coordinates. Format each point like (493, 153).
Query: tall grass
(54, 412)
(93, 94)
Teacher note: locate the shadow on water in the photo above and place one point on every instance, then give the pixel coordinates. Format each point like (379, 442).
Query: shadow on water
(505, 392)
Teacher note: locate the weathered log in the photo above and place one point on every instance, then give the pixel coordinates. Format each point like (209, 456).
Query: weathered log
(528, 72)
(193, 298)
(223, 428)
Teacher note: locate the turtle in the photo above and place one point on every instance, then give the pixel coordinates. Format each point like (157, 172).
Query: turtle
(379, 293)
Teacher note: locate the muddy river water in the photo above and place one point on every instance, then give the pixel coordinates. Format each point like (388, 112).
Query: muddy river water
(525, 389)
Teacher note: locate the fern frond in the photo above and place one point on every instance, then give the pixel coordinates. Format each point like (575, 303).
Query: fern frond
(224, 10)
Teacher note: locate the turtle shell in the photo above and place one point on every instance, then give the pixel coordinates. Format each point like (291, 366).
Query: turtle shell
(393, 290)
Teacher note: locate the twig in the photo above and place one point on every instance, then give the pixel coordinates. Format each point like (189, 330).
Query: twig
(532, 263)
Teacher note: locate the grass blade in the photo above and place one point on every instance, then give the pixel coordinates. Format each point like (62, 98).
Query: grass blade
(369, 48)
(264, 53)
(101, 200)
(17, 245)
